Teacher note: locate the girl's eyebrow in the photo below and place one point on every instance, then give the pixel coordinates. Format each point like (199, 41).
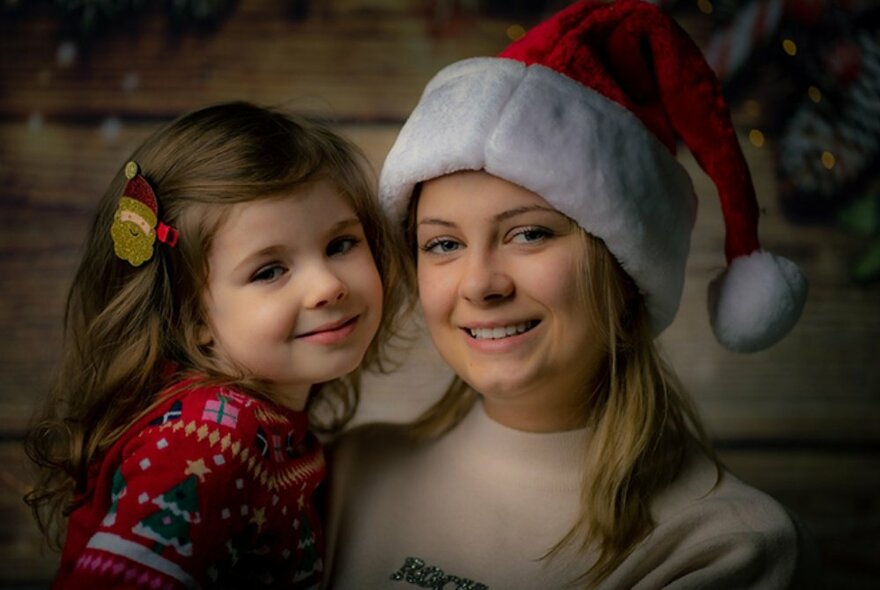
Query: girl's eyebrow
(345, 223)
(268, 251)
(276, 249)
(504, 215)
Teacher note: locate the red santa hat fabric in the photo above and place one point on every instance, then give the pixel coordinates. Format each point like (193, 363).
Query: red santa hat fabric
(586, 110)
(139, 189)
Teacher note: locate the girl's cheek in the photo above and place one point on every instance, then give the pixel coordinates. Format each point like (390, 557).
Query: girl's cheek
(278, 317)
(365, 272)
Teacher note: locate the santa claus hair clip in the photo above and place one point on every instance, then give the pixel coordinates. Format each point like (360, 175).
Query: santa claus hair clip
(136, 224)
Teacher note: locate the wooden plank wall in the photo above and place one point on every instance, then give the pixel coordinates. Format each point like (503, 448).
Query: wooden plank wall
(800, 420)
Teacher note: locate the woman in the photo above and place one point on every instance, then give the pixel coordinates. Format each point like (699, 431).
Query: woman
(549, 225)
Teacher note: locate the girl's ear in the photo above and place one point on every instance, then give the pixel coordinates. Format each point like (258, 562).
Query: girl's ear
(203, 335)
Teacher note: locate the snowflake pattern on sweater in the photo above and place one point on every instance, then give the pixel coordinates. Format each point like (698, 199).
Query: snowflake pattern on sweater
(212, 489)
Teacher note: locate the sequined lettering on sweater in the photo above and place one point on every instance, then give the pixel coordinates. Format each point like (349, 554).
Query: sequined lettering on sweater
(415, 571)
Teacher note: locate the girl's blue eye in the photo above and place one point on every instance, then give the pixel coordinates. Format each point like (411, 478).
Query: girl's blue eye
(268, 273)
(342, 245)
(531, 235)
(441, 246)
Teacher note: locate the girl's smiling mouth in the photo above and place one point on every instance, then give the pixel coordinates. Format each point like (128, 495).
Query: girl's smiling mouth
(331, 333)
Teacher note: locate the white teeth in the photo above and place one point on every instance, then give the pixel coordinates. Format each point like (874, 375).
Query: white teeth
(501, 332)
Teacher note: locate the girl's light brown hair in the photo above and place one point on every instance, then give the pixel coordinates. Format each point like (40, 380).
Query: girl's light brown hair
(640, 422)
(125, 326)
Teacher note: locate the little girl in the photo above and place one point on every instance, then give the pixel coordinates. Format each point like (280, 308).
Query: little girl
(231, 286)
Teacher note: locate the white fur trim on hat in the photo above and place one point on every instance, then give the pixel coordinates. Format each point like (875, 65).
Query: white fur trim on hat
(586, 155)
(756, 301)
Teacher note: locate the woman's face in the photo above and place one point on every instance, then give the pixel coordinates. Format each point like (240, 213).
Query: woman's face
(498, 273)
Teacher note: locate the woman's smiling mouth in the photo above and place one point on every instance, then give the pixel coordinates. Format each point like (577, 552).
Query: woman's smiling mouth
(499, 332)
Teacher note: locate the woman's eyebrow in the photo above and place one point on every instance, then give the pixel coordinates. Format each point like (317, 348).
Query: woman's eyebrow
(504, 215)
(520, 210)
(436, 221)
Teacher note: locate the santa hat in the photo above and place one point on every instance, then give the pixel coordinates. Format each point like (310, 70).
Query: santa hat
(586, 110)
(138, 189)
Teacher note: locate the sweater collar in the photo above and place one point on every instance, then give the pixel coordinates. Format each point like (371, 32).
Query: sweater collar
(546, 460)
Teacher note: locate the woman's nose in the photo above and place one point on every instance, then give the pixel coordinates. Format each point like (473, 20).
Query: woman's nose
(324, 288)
(485, 280)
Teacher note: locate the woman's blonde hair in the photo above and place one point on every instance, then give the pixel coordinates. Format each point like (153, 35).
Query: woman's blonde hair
(641, 424)
(125, 326)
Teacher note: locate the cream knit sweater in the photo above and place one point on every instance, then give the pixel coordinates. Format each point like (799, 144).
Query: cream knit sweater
(479, 507)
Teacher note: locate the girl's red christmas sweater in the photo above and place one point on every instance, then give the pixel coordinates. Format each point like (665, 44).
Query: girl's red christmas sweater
(213, 488)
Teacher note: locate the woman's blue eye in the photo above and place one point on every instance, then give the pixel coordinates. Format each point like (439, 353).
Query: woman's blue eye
(267, 274)
(441, 246)
(531, 235)
(342, 245)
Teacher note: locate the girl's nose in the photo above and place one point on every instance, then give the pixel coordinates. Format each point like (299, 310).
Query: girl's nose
(324, 288)
(485, 281)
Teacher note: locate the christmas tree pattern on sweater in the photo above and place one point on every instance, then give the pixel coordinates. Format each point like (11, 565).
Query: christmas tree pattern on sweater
(212, 489)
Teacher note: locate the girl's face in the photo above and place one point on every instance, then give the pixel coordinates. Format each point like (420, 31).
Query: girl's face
(293, 294)
(498, 274)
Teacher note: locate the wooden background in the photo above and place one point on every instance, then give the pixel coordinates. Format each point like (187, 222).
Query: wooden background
(800, 420)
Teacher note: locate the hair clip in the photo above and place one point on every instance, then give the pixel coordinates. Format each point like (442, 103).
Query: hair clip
(135, 229)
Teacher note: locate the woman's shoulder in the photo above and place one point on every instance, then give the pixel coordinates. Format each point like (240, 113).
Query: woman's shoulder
(711, 526)
(707, 492)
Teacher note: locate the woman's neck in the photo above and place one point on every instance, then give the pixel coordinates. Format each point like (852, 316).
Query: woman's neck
(537, 414)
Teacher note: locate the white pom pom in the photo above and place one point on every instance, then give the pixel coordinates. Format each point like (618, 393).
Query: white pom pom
(756, 301)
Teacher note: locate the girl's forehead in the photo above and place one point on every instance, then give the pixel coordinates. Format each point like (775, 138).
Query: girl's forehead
(291, 219)
(283, 207)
